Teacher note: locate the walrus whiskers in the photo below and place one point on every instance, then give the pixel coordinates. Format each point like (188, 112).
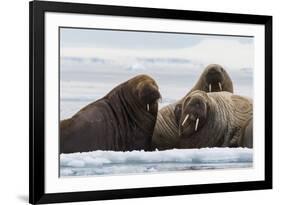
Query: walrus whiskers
(196, 125)
(210, 87)
(185, 119)
(220, 86)
(147, 107)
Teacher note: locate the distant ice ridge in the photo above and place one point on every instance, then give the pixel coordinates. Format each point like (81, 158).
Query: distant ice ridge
(110, 162)
(137, 67)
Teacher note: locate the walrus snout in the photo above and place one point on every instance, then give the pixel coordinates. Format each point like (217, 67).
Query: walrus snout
(193, 116)
(214, 78)
(148, 93)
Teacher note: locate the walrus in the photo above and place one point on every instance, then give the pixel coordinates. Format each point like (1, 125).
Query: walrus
(213, 79)
(247, 139)
(123, 120)
(215, 119)
(166, 131)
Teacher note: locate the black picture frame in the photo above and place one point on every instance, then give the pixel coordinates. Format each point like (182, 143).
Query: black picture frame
(37, 9)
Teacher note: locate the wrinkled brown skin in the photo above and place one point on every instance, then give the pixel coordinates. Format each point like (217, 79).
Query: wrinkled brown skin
(119, 121)
(247, 139)
(212, 75)
(222, 120)
(165, 135)
(166, 131)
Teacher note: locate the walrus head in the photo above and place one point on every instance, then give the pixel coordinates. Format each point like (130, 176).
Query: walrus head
(192, 113)
(214, 78)
(147, 92)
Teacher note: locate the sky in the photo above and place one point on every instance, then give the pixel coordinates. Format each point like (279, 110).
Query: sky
(95, 61)
(136, 40)
(232, 51)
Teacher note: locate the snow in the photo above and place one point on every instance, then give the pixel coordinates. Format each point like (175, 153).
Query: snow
(112, 163)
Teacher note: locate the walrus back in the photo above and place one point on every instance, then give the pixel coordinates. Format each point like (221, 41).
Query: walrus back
(76, 133)
(165, 135)
(236, 111)
(246, 139)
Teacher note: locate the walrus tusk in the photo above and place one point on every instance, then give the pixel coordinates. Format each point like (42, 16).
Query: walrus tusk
(185, 119)
(220, 86)
(147, 107)
(196, 125)
(210, 87)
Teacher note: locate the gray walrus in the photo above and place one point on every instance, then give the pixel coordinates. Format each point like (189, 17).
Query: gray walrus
(123, 120)
(213, 79)
(216, 119)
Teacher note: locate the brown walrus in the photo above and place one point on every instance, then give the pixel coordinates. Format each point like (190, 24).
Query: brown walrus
(216, 119)
(213, 119)
(213, 79)
(123, 120)
(166, 131)
(247, 139)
